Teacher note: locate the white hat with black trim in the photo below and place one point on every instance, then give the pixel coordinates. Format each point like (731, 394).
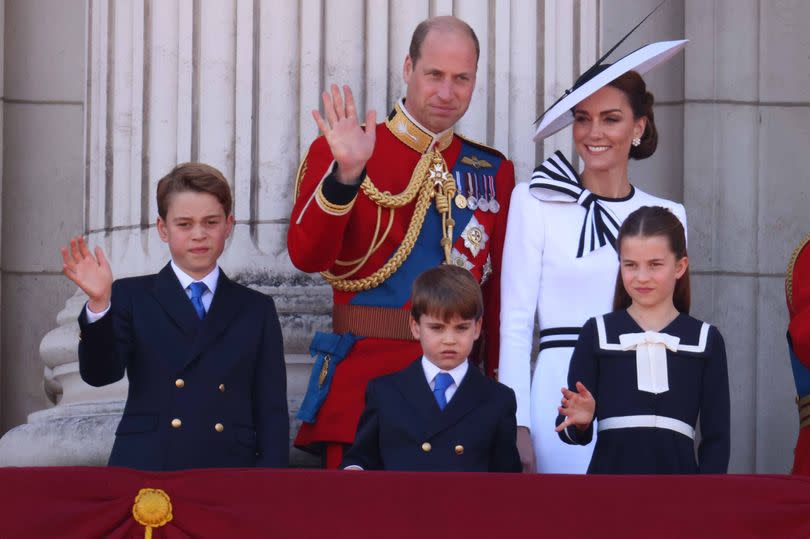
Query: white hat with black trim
(642, 60)
(600, 74)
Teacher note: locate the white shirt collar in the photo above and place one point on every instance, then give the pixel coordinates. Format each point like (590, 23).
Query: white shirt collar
(432, 370)
(185, 279)
(436, 136)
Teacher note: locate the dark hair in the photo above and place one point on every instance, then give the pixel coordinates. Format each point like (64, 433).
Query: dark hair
(641, 102)
(650, 221)
(196, 177)
(446, 291)
(444, 23)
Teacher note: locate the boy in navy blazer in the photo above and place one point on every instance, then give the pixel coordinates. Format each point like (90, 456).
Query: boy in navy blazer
(440, 413)
(204, 355)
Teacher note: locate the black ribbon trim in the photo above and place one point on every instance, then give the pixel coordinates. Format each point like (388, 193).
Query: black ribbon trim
(603, 226)
(556, 344)
(560, 331)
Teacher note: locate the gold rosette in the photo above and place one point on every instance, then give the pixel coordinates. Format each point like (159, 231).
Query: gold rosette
(152, 509)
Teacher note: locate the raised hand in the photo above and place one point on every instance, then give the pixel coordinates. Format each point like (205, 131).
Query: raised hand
(351, 145)
(578, 408)
(90, 273)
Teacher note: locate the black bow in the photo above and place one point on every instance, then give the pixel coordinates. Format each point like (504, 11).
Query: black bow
(561, 182)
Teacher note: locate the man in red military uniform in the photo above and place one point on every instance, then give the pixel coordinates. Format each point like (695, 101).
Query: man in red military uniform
(377, 206)
(797, 289)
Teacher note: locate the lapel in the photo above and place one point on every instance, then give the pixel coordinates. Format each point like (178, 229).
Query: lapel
(170, 295)
(472, 391)
(224, 307)
(415, 389)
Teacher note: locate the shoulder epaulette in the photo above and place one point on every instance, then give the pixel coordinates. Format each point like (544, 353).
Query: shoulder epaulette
(481, 146)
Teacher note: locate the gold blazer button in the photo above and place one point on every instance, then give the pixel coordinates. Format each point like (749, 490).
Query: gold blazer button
(219, 427)
(180, 383)
(459, 449)
(426, 447)
(222, 388)
(176, 423)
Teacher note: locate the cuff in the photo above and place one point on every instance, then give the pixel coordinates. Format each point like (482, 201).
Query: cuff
(94, 317)
(338, 193)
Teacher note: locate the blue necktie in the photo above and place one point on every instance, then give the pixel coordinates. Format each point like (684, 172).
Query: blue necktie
(197, 290)
(440, 384)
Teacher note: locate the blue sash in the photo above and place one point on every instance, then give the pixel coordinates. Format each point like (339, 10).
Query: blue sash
(427, 252)
(801, 374)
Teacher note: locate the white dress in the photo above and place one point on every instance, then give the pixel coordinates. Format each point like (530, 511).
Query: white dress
(542, 274)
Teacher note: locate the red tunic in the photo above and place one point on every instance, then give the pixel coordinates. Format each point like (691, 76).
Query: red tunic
(797, 287)
(322, 231)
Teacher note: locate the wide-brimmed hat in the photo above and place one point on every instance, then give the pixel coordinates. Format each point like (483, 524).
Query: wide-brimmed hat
(600, 74)
(642, 60)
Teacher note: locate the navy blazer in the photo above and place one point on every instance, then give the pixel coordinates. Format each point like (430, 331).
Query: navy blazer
(402, 427)
(202, 393)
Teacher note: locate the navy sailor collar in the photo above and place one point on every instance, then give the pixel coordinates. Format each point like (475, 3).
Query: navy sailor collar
(555, 180)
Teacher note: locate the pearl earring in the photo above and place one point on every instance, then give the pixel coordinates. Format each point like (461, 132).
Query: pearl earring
(636, 141)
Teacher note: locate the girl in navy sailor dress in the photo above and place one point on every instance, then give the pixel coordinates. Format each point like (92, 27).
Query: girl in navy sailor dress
(648, 371)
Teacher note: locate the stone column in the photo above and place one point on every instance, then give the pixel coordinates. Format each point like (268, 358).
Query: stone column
(746, 145)
(42, 193)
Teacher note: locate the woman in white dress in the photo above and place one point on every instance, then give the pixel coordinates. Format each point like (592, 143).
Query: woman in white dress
(559, 260)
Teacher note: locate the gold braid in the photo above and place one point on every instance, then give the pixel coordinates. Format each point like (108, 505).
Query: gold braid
(386, 199)
(789, 271)
(421, 183)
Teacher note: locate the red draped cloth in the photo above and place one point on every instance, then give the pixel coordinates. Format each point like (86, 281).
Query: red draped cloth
(97, 503)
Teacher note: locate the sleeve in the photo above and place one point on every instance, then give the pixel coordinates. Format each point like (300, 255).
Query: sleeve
(106, 345)
(582, 368)
(715, 440)
(505, 456)
(365, 451)
(321, 211)
(522, 250)
(505, 183)
(270, 396)
(799, 330)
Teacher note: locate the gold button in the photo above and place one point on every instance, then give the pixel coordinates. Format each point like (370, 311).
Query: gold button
(180, 383)
(176, 423)
(219, 427)
(426, 447)
(222, 388)
(459, 449)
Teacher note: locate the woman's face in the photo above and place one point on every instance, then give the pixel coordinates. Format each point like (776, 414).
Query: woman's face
(604, 128)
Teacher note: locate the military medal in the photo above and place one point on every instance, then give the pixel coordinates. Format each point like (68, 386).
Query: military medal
(483, 202)
(494, 207)
(475, 236)
(460, 199)
(472, 190)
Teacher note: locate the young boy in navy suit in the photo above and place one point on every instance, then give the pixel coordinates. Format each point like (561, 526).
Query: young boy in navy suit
(440, 413)
(204, 355)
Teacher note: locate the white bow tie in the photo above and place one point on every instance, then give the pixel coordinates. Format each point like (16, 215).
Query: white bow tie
(651, 358)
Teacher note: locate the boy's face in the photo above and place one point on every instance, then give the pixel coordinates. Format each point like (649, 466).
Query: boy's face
(195, 229)
(446, 344)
